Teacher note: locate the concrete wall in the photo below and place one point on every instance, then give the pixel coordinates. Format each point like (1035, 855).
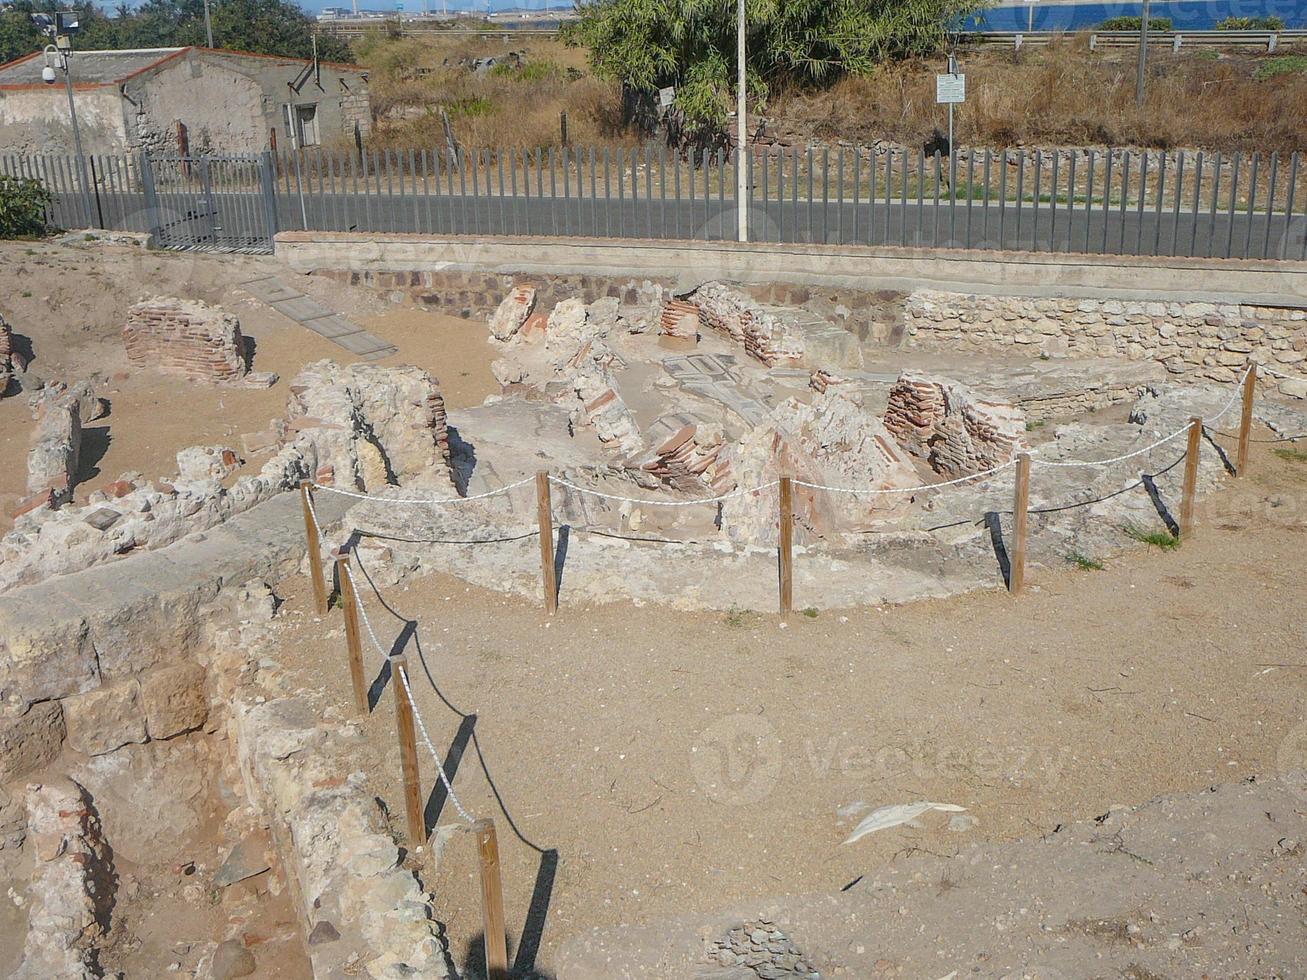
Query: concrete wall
(36, 121)
(840, 269)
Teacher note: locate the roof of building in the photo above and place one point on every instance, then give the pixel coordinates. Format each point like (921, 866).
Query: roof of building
(92, 69)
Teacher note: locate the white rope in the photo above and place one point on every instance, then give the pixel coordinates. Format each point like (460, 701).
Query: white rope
(1115, 459)
(663, 503)
(408, 692)
(437, 501)
(1238, 386)
(1276, 374)
(983, 474)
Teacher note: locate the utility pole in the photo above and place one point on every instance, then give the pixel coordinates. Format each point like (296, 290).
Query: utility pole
(742, 130)
(1143, 56)
(208, 25)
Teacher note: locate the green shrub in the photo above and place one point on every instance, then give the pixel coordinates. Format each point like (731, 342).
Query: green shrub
(1250, 24)
(1285, 64)
(1133, 24)
(23, 201)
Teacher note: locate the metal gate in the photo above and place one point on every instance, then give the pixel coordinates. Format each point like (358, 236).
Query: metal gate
(211, 203)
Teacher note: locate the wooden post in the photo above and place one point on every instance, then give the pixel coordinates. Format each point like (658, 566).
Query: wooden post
(1246, 419)
(1020, 506)
(408, 750)
(492, 901)
(1190, 475)
(315, 549)
(352, 640)
(785, 541)
(545, 520)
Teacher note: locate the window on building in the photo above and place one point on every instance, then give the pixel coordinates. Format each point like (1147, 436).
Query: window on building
(306, 124)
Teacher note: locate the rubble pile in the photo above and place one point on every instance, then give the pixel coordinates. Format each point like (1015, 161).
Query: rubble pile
(949, 426)
(593, 399)
(832, 441)
(769, 334)
(513, 313)
(190, 338)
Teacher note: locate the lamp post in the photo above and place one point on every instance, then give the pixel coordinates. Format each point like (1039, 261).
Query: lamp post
(65, 25)
(742, 167)
(1143, 56)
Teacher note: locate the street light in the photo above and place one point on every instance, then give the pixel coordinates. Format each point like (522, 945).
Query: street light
(742, 159)
(60, 53)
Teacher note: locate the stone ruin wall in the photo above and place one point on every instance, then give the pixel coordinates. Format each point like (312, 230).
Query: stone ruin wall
(1194, 341)
(950, 426)
(6, 356)
(189, 338)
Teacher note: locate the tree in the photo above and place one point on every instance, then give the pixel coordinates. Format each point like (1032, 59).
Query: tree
(651, 44)
(18, 34)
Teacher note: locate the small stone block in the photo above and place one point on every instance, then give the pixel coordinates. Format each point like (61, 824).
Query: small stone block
(102, 518)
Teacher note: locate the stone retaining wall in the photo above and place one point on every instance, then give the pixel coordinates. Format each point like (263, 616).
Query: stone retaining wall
(479, 294)
(1195, 340)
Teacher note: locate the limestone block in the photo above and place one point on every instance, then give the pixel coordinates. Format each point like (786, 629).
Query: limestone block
(102, 720)
(200, 463)
(174, 700)
(29, 738)
(513, 312)
(43, 656)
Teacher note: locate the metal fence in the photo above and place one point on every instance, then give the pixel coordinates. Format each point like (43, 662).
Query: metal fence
(1103, 201)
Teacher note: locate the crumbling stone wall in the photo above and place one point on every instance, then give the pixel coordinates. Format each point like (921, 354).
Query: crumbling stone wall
(1194, 340)
(6, 356)
(831, 441)
(56, 446)
(769, 334)
(190, 338)
(949, 426)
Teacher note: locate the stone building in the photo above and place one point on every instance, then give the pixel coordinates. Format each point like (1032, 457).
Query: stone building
(187, 101)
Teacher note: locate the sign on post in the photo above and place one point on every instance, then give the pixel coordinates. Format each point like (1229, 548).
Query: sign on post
(950, 89)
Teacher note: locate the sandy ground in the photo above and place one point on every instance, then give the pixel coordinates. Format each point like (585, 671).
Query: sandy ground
(70, 305)
(648, 763)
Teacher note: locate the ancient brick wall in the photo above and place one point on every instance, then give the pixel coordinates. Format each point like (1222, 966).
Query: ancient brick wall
(949, 426)
(186, 337)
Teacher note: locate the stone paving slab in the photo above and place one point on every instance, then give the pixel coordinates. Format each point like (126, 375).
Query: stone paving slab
(308, 312)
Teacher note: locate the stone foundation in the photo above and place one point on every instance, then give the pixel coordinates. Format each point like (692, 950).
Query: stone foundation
(189, 338)
(6, 356)
(56, 445)
(1198, 341)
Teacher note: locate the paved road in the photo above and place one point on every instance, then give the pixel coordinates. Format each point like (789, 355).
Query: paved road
(238, 218)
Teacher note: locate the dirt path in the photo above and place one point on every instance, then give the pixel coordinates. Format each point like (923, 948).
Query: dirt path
(677, 763)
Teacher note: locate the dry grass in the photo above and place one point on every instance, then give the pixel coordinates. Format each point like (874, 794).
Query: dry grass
(1058, 95)
(503, 107)
(1066, 95)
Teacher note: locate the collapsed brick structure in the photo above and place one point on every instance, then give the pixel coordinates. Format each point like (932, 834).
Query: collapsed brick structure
(680, 320)
(949, 426)
(190, 338)
(688, 460)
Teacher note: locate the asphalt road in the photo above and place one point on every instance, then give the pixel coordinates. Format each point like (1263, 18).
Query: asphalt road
(238, 218)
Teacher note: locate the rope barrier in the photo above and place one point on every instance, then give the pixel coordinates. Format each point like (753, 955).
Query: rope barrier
(1115, 459)
(423, 500)
(983, 474)
(1276, 374)
(663, 503)
(408, 692)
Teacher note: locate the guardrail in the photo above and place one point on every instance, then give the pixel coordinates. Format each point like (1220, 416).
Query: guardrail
(1175, 40)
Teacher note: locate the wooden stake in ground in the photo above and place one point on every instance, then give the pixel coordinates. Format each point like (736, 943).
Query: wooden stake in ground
(492, 901)
(1246, 419)
(315, 549)
(545, 521)
(352, 639)
(1020, 504)
(1190, 475)
(408, 750)
(785, 540)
